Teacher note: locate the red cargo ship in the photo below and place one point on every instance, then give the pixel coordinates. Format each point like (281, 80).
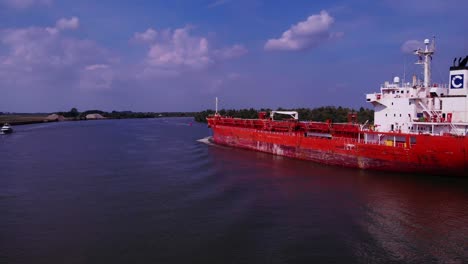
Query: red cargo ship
(418, 127)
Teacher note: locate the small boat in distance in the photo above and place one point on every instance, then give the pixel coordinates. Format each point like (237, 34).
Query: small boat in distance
(6, 129)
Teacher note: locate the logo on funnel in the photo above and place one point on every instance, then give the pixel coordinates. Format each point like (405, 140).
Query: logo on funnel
(456, 81)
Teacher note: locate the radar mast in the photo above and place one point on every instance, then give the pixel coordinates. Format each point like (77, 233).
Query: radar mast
(425, 58)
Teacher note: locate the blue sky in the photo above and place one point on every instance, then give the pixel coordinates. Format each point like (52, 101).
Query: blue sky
(179, 55)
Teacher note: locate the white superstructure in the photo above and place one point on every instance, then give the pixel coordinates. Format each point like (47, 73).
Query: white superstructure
(424, 107)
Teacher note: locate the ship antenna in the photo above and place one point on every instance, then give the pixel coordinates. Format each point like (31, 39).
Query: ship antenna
(404, 70)
(433, 43)
(216, 113)
(427, 54)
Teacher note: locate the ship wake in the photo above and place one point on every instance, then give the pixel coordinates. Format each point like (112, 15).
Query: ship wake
(207, 140)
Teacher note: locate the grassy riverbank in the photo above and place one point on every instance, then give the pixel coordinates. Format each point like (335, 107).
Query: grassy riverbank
(22, 119)
(31, 118)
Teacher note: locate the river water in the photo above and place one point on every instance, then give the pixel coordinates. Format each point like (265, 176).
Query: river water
(149, 191)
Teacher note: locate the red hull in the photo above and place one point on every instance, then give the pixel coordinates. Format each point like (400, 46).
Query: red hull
(445, 155)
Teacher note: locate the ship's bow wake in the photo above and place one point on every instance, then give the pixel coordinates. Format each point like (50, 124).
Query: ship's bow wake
(207, 140)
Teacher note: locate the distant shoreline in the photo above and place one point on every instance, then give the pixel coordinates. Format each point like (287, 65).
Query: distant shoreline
(19, 123)
(17, 120)
(23, 119)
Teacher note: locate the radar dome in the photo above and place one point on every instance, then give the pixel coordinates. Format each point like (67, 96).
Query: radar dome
(396, 79)
(426, 41)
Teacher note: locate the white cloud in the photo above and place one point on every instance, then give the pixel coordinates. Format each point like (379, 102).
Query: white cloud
(231, 52)
(63, 23)
(177, 50)
(29, 45)
(46, 46)
(96, 67)
(96, 77)
(43, 57)
(305, 34)
(180, 49)
(43, 64)
(23, 4)
(410, 45)
(147, 36)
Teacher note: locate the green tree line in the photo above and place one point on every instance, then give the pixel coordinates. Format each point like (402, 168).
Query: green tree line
(321, 114)
(75, 114)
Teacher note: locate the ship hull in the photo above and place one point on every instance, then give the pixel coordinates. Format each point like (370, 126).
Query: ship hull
(431, 155)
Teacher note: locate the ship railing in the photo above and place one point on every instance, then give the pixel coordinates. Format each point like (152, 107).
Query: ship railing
(264, 124)
(348, 128)
(383, 140)
(315, 126)
(239, 122)
(388, 142)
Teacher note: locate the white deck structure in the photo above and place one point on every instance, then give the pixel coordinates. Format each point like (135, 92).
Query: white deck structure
(423, 107)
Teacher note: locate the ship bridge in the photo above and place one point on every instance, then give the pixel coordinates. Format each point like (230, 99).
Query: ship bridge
(421, 106)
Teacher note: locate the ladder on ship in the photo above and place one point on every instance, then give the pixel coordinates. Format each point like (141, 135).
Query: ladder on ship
(439, 116)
